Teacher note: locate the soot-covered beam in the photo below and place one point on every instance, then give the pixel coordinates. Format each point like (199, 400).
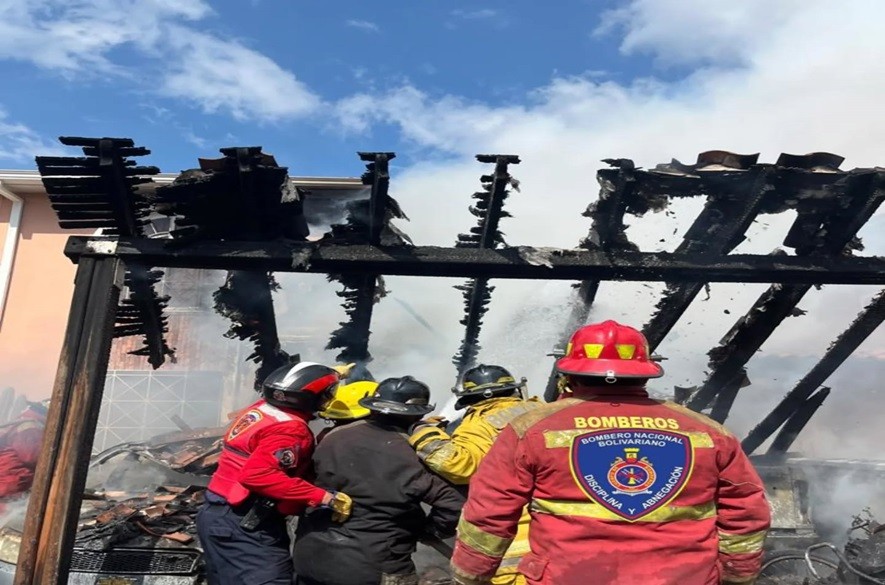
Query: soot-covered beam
(520, 262)
(477, 292)
(860, 195)
(717, 230)
(606, 233)
(367, 222)
(839, 351)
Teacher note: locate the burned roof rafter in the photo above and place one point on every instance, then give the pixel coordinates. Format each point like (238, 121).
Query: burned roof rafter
(101, 190)
(367, 222)
(859, 197)
(840, 350)
(477, 292)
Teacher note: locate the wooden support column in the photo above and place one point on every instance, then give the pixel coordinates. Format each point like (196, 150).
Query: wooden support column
(56, 495)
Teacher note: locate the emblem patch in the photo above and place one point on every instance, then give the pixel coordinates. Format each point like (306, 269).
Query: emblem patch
(244, 422)
(286, 457)
(631, 472)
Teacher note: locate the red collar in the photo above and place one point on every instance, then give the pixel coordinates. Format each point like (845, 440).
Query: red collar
(589, 392)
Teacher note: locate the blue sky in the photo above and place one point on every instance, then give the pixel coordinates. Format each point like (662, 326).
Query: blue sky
(494, 53)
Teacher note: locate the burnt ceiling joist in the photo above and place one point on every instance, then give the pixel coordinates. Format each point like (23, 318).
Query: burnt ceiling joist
(368, 222)
(244, 194)
(240, 213)
(101, 190)
(858, 196)
(477, 291)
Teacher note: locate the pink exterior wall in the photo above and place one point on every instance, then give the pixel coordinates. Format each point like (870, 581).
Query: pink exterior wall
(39, 299)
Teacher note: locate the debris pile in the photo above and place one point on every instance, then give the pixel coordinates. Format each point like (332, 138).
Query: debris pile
(163, 519)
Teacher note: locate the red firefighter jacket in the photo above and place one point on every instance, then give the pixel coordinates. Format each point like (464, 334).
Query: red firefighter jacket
(622, 489)
(19, 449)
(267, 451)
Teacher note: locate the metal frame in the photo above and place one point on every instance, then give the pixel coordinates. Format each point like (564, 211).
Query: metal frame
(832, 206)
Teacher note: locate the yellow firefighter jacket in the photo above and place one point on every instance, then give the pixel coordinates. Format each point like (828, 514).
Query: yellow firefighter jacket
(457, 457)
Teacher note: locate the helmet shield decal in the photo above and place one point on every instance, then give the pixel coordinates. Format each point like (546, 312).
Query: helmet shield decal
(632, 473)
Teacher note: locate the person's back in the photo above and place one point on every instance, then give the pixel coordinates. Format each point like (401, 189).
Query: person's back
(623, 489)
(372, 462)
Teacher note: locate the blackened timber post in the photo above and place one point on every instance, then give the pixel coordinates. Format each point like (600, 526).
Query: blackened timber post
(378, 198)
(794, 425)
(841, 349)
(70, 432)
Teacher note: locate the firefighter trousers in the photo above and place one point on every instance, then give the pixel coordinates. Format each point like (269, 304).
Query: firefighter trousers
(235, 556)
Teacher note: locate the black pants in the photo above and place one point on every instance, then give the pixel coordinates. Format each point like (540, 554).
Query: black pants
(235, 556)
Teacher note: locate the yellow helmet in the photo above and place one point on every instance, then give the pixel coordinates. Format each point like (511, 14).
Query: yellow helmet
(345, 404)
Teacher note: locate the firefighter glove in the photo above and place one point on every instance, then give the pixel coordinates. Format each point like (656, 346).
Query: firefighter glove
(341, 506)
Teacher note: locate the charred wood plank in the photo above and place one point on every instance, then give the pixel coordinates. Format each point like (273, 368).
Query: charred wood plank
(54, 506)
(839, 351)
(860, 195)
(512, 262)
(797, 421)
(477, 292)
(717, 230)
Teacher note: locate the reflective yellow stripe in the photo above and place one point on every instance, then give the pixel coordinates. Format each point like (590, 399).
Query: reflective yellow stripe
(464, 578)
(593, 510)
(557, 439)
(518, 549)
(563, 439)
(700, 439)
(729, 579)
(480, 540)
(732, 544)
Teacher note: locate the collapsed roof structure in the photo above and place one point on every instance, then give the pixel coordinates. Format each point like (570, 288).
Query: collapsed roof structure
(240, 213)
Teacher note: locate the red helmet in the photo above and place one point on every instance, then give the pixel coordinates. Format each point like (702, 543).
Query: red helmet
(608, 350)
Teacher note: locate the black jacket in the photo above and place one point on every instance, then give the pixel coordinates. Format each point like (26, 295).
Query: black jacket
(377, 468)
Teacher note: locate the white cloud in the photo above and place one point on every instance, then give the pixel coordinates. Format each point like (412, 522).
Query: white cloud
(695, 31)
(218, 74)
(363, 25)
(223, 75)
(20, 144)
(784, 81)
(475, 14)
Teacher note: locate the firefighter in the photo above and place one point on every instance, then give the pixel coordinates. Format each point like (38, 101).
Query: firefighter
(622, 488)
(20, 443)
(492, 397)
(260, 480)
(371, 460)
(344, 408)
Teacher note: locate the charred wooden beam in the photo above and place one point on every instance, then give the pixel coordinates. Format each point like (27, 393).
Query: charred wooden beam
(520, 262)
(860, 197)
(797, 421)
(607, 232)
(839, 351)
(367, 222)
(100, 190)
(246, 300)
(54, 504)
(142, 313)
(717, 230)
(477, 292)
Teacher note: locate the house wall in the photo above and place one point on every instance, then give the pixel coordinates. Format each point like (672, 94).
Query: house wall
(39, 299)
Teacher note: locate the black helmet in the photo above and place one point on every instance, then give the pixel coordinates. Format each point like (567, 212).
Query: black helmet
(404, 396)
(484, 381)
(305, 386)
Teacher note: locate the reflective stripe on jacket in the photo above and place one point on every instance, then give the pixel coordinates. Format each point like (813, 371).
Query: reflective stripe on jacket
(457, 457)
(620, 487)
